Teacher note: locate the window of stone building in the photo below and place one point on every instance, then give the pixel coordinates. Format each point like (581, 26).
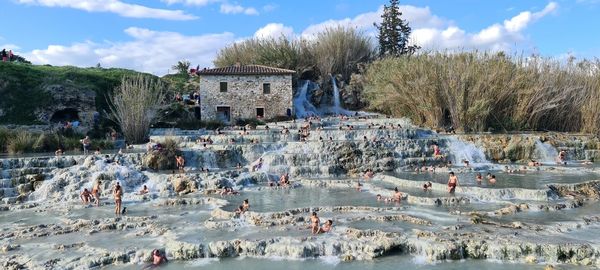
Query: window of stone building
(223, 86)
(266, 88)
(260, 112)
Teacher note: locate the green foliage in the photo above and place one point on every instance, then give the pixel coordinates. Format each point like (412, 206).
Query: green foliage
(479, 91)
(394, 32)
(22, 87)
(21, 141)
(182, 67)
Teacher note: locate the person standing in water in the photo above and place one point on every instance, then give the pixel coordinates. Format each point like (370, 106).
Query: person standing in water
(314, 223)
(96, 192)
(452, 183)
(180, 162)
(86, 142)
(118, 194)
(479, 178)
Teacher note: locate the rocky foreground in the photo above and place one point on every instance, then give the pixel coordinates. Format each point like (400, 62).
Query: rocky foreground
(43, 224)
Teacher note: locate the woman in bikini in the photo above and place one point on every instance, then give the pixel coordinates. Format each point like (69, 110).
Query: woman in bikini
(96, 192)
(479, 178)
(118, 194)
(452, 183)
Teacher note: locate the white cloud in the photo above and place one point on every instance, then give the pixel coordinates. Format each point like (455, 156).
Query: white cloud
(148, 51)
(190, 2)
(237, 9)
(114, 6)
(517, 23)
(274, 30)
(418, 17)
(269, 7)
(9, 47)
(434, 33)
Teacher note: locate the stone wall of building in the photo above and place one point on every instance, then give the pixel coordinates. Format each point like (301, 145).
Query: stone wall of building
(245, 94)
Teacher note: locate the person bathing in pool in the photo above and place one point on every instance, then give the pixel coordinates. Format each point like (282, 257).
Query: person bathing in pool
(326, 227)
(158, 259)
(314, 223)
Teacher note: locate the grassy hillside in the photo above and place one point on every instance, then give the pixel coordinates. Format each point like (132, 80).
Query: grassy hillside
(22, 87)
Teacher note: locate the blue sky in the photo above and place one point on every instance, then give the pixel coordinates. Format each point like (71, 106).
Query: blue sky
(151, 35)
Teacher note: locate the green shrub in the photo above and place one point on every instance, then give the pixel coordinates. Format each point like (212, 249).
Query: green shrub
(165, 158)
(22, 142)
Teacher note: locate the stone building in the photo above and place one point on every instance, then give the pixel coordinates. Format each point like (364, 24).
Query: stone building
(250, 91)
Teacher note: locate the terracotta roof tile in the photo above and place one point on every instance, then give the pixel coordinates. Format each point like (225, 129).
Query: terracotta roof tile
(246, 70)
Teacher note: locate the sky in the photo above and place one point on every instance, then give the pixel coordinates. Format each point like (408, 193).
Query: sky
(152, 35)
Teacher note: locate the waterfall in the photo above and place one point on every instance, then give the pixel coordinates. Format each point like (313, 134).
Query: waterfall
(302, 104)
(545, 152)
(336, 96)
(460, 150)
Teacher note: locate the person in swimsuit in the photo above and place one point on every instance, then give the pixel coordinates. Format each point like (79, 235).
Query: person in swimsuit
(86, 142)
(436, 151)
(118, 194)
(246, 205)
(427, 186)
(314, 221)
(86, 196)
(397, 195)
(96, 192)
(452, 183)
(479, 178)
(327, 227)
(157, 259)
(493, 179)
(180, 163)
(144, 190)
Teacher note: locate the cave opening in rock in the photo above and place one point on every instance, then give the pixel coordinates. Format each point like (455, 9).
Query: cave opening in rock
(68, 114)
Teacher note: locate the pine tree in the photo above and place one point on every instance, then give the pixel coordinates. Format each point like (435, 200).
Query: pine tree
(394, 32)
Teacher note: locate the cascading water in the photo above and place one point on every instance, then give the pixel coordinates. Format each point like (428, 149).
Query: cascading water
(545, 152)
(460, 151)
(337, 109)
(302, 104)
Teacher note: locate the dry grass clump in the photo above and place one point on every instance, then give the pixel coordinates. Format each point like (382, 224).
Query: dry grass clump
(336, 50)
(480, 91)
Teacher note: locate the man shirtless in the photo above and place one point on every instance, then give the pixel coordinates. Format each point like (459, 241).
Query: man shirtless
(314, 223)
(452, 183)
(157, 259)
(180, 163)
(144, 190)
(118, 194)
(397, 195)
(96, 192)
(86, 196)
(327, 227)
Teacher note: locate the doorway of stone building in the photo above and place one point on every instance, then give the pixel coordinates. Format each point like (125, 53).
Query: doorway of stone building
(224, 113)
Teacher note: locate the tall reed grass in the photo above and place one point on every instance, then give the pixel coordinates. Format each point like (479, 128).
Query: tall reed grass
(476, 91)
(336, 50)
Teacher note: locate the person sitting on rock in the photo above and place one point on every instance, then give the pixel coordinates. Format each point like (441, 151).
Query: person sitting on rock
(144, 190)
(86, 196)
(326, 227)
